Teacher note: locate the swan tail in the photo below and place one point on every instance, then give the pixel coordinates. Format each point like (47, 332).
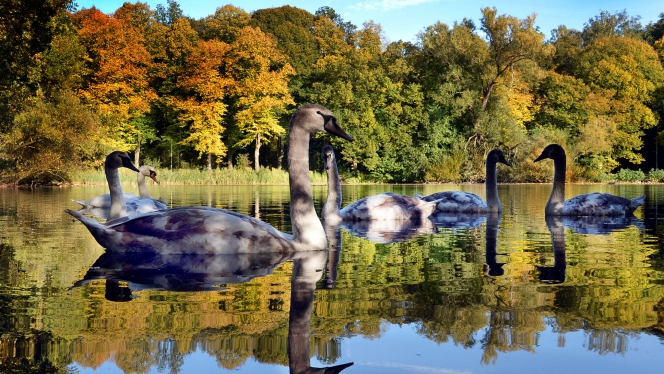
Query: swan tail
(87, 221)
(637, 201)
(83, 204)
(429, 207)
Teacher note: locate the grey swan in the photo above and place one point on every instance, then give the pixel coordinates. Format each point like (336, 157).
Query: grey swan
(592, 204)
(387, 206)
(467, 202)
(205, 230)
(135, 204)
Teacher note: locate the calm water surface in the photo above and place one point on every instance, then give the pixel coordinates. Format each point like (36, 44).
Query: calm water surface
(511, 294)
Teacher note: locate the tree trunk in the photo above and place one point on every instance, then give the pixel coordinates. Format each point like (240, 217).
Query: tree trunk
(487, 94)
(137, 152)
(280, 159)
(231, 153)
(209, 161)
(257, 152)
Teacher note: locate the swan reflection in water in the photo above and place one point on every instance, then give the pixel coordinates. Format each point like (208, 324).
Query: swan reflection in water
(389, 231)
(493, 268)
(587, 225)
(208, 272)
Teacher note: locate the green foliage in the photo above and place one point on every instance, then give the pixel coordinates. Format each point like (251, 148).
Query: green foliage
(449, 168)
(627, 175)
(172, 88)
(656, 175)
(242, 161)
(49, 140)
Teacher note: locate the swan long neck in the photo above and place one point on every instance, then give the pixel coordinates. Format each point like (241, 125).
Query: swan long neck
(307, 228)
(142, 189)
(557, 198)
(491, 185)
(333, 202)
(118, 207)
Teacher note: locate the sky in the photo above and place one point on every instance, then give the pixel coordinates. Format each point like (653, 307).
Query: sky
(404, 19)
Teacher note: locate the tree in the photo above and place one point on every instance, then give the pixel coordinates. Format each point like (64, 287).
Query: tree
(607, 25)
(168, 16)
(510, 41)
(626, 72)
(202, 109)
(118, 83)
(262, 74)
(26, 29)
(225, 24)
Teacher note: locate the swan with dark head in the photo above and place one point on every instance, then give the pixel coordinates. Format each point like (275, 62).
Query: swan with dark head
(205, 230)
(135, 204)
(592, 204)
(387, 206)
(467, 202)
(114, 161)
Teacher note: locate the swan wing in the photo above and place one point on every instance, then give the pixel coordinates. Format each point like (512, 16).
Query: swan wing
(385, 206)
(141, 205)
(102, 201)
(458, 202)
(599, 204)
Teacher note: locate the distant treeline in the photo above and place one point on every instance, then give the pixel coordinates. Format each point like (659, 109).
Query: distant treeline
(213, 92)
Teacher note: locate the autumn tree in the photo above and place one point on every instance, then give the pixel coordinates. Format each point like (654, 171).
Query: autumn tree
(118, 83)
(225, 24)
(261, 73)
(204, 85)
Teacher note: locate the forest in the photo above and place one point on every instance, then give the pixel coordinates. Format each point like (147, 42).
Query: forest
(217, 92)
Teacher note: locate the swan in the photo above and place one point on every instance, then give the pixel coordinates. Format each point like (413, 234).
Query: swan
(592, 204)
(466, 202)
(135, 204)
(114, 161)
(387, 206)
(205, 230)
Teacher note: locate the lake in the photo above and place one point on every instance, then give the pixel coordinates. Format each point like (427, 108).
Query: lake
(516, 293)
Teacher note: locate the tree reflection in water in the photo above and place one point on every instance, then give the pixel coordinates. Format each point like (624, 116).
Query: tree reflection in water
(126, 274)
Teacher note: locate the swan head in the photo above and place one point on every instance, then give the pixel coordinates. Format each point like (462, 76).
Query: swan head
(315, 118)
(328, 157)
(552, 151)
(149, 171)
(117, 159)
(496, 155)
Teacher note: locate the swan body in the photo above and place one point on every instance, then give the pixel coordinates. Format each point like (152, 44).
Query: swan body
(467, 202)
(592, 204)
(134, 204)
(386, 206)
(203, 230)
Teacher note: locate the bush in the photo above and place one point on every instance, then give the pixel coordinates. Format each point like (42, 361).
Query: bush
(242, 161)
(626, 175)
(448, 169)
(48, 141)
(656, 175)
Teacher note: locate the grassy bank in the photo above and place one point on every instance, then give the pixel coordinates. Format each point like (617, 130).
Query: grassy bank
(222, 176)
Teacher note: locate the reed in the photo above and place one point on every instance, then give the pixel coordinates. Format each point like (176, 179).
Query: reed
(221, 176)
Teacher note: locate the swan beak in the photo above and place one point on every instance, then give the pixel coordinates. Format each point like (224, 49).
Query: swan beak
(154, 177)
(332, 127)
(504, 161)
(540, 158)
(126, 162)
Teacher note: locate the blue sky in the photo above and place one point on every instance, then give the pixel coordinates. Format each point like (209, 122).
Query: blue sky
(404, 19)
